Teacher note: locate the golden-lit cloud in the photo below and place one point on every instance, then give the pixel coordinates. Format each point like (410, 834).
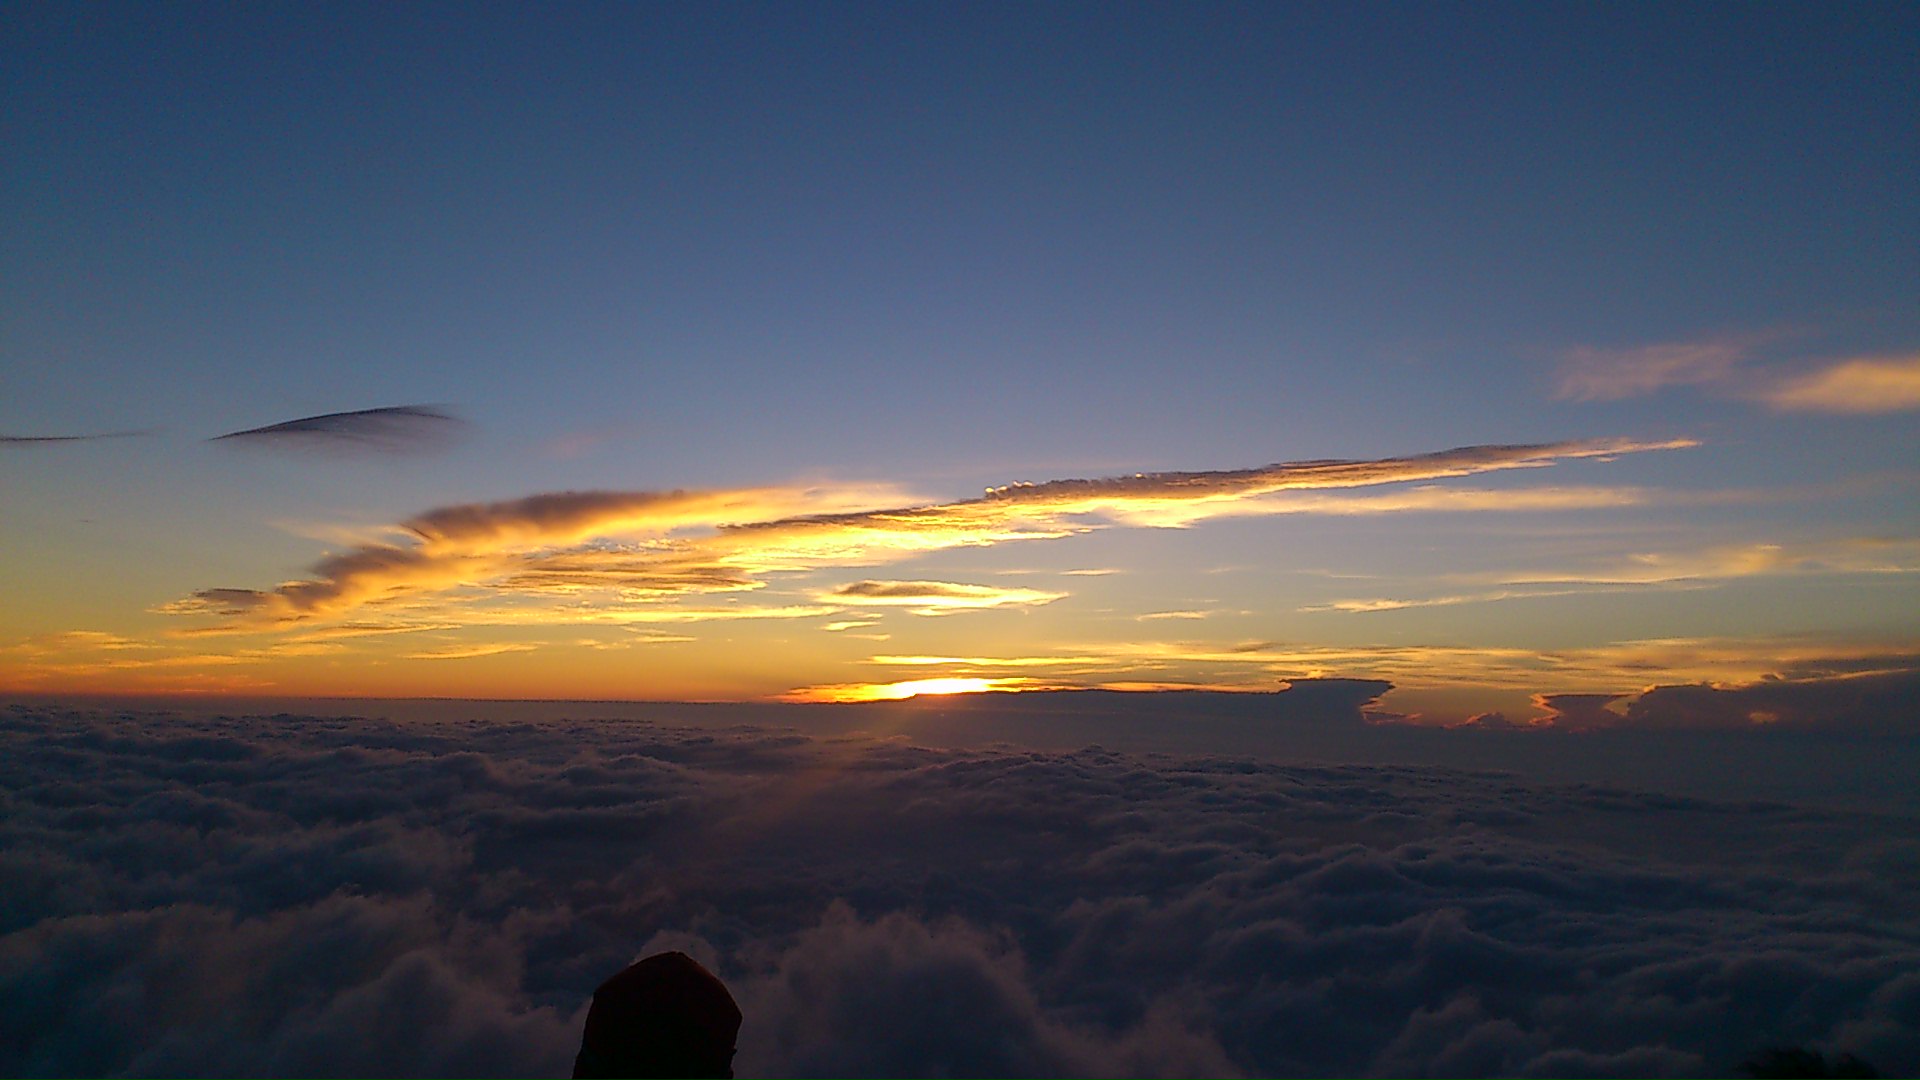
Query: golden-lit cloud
(66, 641)
(979, 661)
(935, 597)
(579, 557)
(1364, 605)
(468, 652)
(1865, 385)
(1853, 555)
(1436, 499)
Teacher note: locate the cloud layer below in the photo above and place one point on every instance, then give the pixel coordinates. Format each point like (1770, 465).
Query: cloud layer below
(321, 896)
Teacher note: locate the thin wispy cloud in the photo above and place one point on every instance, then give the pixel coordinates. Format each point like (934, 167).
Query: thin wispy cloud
(1590, 374)
(71, 640)
(1729, 365)
(1692, 569)
(1365, 605)
(935, 597)
(979, 661)
(47, 440)
(1851, 555)
(392, 429)
(468, 652)
(1865, 385)
(632, 549)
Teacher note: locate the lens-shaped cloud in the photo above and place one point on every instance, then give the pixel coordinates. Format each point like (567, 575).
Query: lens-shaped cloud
(391, 429)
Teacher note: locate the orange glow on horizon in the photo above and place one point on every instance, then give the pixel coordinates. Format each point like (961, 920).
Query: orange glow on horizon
(900, 691)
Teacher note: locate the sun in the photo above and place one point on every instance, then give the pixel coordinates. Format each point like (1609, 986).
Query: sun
(917, 687)
(899, 691)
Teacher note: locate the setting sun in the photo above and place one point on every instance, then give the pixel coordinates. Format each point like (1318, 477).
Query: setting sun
(900, 691)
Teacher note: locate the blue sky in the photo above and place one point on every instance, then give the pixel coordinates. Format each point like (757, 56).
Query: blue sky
(891, 255)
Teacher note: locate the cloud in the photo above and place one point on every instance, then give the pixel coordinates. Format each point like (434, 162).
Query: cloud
(900, 996)
(639, 548)
(979, 661)
(935, 597)
(66, 641)
(468, 652)
(1853, 385)
(1852, 703)
(1862, 385)
(1885, 702)
(1364, 605)
(390, 429)
(1847, 555)
(1580, 712)
(325, 895)
(1174, 499)
(44, 440)
(1590, 374)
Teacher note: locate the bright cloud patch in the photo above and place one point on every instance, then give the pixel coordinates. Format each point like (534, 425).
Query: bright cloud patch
(935, 597)
(618, 550)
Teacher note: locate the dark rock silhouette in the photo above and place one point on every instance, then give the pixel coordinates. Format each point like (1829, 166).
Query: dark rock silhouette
(1793, 1062)
(663, 1016)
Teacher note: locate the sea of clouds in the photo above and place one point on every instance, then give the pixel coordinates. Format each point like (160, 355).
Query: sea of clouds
(289, 894)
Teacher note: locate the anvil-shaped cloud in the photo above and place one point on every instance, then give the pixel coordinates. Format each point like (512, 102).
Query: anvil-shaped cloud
(641, 547)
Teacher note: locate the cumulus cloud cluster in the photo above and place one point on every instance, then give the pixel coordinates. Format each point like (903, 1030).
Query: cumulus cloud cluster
(296, 894)
(642, 547)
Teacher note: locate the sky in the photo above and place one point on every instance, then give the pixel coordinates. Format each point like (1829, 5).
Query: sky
(1547, 364)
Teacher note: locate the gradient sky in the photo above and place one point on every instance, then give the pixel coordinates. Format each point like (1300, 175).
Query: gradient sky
(742, 308)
